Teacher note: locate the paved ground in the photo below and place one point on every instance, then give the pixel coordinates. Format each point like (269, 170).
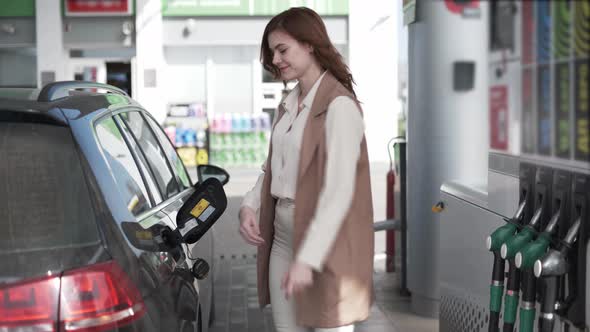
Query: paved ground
(235, 275)
(237, 307)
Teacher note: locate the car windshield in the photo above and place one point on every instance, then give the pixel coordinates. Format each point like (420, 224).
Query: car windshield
(45, 207)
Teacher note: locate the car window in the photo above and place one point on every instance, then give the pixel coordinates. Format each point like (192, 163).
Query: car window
(153, 152)
(143, 165)
(173, 157)
(123, 167)
(45, 203)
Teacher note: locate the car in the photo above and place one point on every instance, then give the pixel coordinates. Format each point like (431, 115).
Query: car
(103, 228)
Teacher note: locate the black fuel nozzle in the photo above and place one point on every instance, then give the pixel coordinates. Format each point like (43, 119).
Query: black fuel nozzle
(550, 267)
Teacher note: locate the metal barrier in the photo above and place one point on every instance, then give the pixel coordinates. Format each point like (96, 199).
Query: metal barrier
(386, 225)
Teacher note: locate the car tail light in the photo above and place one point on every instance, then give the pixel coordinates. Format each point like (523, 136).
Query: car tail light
(98, 297)
(29, 306)
(90, 299)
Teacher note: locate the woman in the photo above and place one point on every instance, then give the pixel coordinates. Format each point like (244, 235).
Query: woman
(314, 235)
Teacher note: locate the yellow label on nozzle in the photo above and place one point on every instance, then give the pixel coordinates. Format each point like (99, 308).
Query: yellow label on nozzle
(200, 207)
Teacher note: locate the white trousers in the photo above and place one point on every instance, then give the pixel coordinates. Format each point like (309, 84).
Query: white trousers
(283, 310)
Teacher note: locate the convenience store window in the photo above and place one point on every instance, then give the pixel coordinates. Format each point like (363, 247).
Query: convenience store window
(18, 67)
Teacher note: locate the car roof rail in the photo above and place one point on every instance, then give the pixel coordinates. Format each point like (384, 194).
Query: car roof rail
(56, 90)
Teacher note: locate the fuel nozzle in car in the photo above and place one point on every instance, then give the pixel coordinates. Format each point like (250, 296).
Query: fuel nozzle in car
(201, 210)
(550, 267)
(493, 244)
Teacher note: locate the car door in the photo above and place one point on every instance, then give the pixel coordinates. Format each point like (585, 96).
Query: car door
(173, 190)
(204, 247)
(158, 277)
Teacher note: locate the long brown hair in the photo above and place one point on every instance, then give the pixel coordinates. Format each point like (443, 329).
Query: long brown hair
(306, 26)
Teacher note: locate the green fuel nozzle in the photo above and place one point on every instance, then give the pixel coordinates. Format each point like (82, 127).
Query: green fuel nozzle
(504, 232)
(526, 257)
(526, 235)
(495, 241)
(493, 244)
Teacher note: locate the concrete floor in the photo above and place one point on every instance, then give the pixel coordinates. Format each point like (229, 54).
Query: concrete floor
(236, 304)
(235, 277)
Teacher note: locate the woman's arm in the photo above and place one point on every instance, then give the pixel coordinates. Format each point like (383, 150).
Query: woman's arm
(252, 197)
(249, 229)
(344, 134)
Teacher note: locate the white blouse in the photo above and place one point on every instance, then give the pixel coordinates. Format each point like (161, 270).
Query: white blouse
(344, 134)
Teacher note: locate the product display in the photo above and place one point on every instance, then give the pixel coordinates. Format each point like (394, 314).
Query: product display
(187, 126)
(239, 140)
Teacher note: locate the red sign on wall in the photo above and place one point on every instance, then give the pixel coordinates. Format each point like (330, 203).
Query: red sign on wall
(97, 7)
(459, 7)
(499, 117)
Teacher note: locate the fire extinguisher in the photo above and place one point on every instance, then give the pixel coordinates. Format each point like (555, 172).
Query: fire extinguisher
(390, 214)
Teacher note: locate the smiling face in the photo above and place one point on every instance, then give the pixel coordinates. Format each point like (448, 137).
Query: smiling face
(292, 58)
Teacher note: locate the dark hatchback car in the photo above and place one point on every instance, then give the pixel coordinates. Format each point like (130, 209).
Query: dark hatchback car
(102, 227)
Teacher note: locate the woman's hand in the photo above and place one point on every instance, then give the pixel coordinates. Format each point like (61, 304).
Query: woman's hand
(249, 227)
(296, 279)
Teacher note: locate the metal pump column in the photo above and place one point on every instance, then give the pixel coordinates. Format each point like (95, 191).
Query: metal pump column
(447, 131)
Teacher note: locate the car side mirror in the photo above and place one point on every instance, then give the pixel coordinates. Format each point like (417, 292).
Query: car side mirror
(201, 210)
(205, 172)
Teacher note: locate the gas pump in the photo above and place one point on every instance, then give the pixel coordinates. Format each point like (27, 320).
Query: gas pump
(539, 117)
